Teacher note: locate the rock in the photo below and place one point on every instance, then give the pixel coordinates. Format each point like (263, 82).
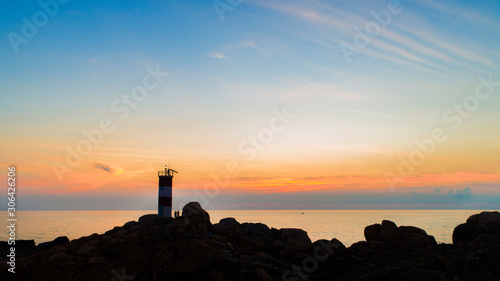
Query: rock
(405, 232)
(86, 250)
(96, 260)
(60, 257)
(130, 224)
(61, 240)
(388, 231)
(192, 255)
(148, 219)
(228, 227)
(260, 230)
(198, 219)
(372, 232)
(28, 245)
(410, 236)
(297, 251)
(262, 274)
(487, 218)
(146, 251)
(403, 237)
(293, 235)
(56, 242)
(476, 225)
(324, 247)
(368, 247)
(180, 227)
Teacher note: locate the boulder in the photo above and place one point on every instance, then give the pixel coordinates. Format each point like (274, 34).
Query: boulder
(228, 227)
(372, 232)
(60, 257)
(254, 230)
(410, 236)
(198, 220)
(56, 242)
(403, 236)
(148, 219)
(476, 225)
(324, 247)
(367, 247)
(130, 224)
(28, 245)
(191, 256)
(388, 230)
(293, 235)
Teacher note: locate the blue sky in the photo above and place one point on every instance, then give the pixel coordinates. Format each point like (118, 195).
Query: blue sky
(355, 115)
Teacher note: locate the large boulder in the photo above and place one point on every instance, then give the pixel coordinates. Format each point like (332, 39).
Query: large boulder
(388, 231)
(228, 227)
(198, 220)
(293, 236)
(372, 232)
(56, 242)
(403, 236)
(258, 230)
(476, 225)
(148, 219)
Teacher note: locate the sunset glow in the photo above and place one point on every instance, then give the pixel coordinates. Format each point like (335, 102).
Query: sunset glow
(273, 98)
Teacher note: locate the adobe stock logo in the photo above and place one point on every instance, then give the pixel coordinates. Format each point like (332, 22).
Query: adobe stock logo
(40, 19)
(221, 7)
(371, 30)
(122, 107)
(454, 117)
(248, 149)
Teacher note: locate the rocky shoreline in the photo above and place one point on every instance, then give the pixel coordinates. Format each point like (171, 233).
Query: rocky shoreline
(190, 247)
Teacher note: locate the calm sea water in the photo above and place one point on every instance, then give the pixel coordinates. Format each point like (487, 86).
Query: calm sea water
(345, 225)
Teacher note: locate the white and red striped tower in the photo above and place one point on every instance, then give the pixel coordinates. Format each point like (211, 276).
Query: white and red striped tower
(165, 192)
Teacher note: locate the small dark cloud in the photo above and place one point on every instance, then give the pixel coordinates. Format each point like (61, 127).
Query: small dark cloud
(103, 167)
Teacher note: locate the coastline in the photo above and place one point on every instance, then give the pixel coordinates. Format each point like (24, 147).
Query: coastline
(345, 225)
(192, 248)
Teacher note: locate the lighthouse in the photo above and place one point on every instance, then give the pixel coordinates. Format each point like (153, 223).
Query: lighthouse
(165, 192)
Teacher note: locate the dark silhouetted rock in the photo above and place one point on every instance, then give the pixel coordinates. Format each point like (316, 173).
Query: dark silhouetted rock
(293, 235)
(167, 249)
(28, 245)
(372, 232)
(260, 230)
(198, 220)
(476, 225)
(147, 219)
(228, 227)
(56, 242)
(402, 237)
(388, 230)
(331, 246)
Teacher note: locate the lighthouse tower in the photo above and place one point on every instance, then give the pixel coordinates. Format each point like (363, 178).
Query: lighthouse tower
(165, 192)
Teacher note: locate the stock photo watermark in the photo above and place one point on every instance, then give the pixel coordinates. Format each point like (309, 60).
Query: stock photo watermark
(454, 117)
(223, 6)
(372, 29)
(248, 149)
(30, 27)
(121, 107)
(11, 220)
(121, 276)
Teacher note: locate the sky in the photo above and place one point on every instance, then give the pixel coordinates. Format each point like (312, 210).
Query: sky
(264, 104)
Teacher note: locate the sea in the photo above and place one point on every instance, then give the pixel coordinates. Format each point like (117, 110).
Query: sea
(345, 225)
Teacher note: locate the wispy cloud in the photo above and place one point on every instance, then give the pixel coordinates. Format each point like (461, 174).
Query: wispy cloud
(103, 167)
(230, 49)
(216, 55)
